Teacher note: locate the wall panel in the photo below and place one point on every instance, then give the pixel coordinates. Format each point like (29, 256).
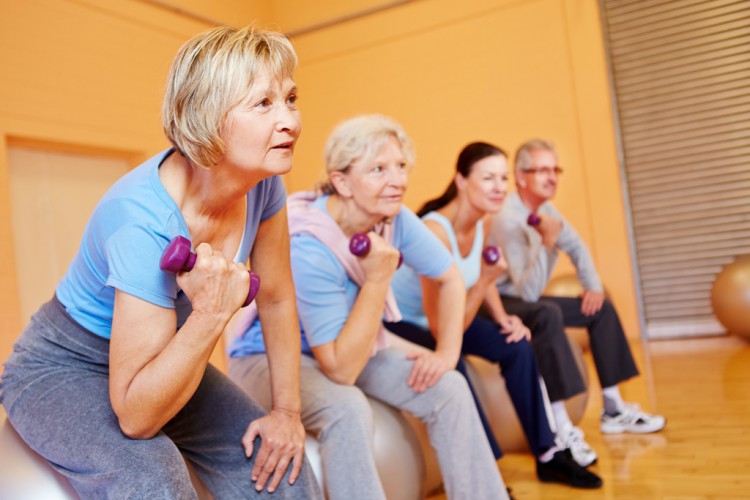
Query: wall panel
(681, 71)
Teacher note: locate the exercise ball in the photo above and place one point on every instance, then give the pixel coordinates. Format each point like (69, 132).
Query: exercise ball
(312, 453)
(398, 457)
(25, 475)
(730, 297)
(398, 454)
(501, 414)
(432, 479)
(397, 449)
(564, 285)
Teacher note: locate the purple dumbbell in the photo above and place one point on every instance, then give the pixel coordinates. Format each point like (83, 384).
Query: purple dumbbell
(533, 220)
(359, 245)
(178, 257)
(491, 254)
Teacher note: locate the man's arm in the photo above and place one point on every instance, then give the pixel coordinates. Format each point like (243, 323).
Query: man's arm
(528, 260)
(571, 243)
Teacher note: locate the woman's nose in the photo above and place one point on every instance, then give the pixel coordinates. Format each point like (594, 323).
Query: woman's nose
(287, 119)
(398, 176)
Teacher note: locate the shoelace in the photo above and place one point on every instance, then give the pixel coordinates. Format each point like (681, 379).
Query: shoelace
(632, 413)
(574, 439)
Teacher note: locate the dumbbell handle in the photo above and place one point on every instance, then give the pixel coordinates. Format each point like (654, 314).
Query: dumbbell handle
(533, 220)
(177, 257)
(359, 245)
(491, 254)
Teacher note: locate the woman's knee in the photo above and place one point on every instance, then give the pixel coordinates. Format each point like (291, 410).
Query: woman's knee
(348, 410)
(519, 353)
(452, 386)
(522, 348)
(151, 468)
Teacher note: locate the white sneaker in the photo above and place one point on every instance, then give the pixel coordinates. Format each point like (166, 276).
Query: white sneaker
(631, 419)
(572, 438)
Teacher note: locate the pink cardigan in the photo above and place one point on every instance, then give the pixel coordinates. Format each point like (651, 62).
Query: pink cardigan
(305, 219)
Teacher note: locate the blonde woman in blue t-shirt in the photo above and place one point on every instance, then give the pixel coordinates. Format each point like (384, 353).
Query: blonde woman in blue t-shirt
(342, 300)
(110, 382)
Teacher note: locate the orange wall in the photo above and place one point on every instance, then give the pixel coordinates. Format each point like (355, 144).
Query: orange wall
(90, 74)
(231, 12)
(300, 15)
(85, 76)
(496, 70)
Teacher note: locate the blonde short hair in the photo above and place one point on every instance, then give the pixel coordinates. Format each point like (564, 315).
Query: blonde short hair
(360, 139)
(211, 74)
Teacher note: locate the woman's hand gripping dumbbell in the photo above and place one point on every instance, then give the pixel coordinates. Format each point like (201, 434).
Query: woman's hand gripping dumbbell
(177, 257)
(493, 264)
(359, 245)
(491, 254)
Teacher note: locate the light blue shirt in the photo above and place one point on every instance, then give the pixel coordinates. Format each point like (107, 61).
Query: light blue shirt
(326, 294)
(407, 286)
(125, 237)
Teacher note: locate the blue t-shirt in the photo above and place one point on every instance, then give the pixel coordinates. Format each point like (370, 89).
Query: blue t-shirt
(125, 237)
(326, 294)
(406, 284)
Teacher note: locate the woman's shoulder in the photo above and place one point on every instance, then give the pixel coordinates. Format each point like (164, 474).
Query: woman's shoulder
(267, 197)
(272, 182)
(405, 216)
(311, 259)
(439, 218)
(138, 200)
(140, 184)
(306, 247)
(268, 189)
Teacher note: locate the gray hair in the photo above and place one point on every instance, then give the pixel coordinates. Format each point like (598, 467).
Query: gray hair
(361, 138)
(523, 153)
(210, 75)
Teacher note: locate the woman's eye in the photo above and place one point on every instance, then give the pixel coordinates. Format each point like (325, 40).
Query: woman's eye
(377, 168)
(292, 100)
(264, 103)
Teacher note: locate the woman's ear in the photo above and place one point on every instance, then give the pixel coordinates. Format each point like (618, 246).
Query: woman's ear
(460, 181)
(340, 182)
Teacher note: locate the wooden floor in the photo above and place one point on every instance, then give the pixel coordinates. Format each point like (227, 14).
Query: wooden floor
(702, 386)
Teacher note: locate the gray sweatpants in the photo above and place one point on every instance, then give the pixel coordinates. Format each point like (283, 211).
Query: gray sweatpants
(341, 418)
(55, 389)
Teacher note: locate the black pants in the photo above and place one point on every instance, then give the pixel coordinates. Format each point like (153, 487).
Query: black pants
(547, 319)
(518, 368)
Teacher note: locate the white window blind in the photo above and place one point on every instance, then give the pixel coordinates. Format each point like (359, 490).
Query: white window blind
(681, 77)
